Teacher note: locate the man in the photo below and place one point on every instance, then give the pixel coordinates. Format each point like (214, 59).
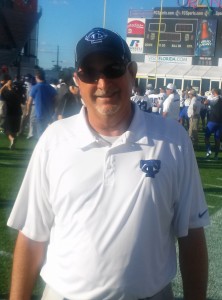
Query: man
(154, 99)
(183, 116)
(142, 101)
(43, 96)
(171, 106)
(162, 98)
(93, 217)
(70, 104)
(193, 113)
(3, 81)
(149, 89)
(31, 115)
(13, 111)
(214, 124)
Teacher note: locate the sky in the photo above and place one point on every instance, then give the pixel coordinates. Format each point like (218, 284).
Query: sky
(64, 22)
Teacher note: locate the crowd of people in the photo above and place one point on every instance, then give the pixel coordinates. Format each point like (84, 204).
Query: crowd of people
(29, 105)
(188, 108)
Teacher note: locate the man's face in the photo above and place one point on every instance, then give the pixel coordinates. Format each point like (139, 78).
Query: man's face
(106, 96)
(168, 92)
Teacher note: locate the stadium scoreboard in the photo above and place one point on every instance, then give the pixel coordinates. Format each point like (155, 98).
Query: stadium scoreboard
(173, 36)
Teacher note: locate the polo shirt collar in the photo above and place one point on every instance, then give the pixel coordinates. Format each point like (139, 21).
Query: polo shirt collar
(136, 133)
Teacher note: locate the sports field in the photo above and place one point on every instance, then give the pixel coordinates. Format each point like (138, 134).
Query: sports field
(12, 168)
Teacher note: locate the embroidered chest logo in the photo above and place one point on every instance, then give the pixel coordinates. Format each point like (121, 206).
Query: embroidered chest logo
(151, 167)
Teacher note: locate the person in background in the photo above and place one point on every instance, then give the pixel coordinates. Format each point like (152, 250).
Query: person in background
(183, 116)
(63, 89)
(12, 100)
(30, 117)
(142, 101)
(214, 124)
(154, 100)
(20, 90)
(3, 81)
(54, 83)
(43, 96)
(149, 89)
(182, 99)
(193, 114)
(203, 111)
(90, 212)
(70, 103)
(171, 105)
(162, 98)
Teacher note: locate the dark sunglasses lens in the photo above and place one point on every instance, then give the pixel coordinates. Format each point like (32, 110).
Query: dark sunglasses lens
(90, 75)
(114, 70)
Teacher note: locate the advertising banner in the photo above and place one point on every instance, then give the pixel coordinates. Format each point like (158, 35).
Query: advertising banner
(179, 60)
(135, 44)
(206, 37)
(136, 27)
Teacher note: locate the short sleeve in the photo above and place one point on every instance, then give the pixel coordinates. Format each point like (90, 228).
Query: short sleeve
(32, 213)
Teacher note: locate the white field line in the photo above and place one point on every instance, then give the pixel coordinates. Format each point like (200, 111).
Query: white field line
(219, 178)
(213, 185)
(6, 163)
(213, 195)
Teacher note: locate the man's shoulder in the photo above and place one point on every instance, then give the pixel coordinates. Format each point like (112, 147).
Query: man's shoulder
(166, 130)
(176, 96)
(46, 88)
(60, 132)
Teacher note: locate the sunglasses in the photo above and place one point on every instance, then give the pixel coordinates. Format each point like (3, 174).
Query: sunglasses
(112, 71)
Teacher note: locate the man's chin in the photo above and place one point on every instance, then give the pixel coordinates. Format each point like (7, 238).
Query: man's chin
(108, 110)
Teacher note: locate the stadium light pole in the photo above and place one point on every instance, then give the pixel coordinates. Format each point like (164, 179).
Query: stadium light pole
(104, 14)
(158, 40)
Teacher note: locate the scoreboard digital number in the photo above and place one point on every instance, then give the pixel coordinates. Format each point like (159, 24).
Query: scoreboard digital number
(175, 36)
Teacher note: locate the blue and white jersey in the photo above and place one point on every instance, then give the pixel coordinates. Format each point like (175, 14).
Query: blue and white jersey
(143, 102)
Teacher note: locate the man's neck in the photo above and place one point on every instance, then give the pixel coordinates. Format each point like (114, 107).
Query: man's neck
(111, 126)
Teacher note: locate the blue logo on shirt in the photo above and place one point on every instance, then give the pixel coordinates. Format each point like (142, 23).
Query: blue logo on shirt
(151, 167)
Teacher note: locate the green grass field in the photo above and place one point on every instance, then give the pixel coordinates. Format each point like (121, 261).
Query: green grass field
(12, 168)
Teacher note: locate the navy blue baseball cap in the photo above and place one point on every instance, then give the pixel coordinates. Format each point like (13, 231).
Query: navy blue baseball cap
(103, 41)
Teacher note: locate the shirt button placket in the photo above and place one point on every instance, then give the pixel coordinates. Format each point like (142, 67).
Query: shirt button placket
(109, 168)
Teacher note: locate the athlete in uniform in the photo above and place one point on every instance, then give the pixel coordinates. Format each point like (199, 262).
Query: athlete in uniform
(214, 124)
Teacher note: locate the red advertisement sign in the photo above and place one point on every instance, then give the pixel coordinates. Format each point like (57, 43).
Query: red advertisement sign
(25, 5)
(136, 27)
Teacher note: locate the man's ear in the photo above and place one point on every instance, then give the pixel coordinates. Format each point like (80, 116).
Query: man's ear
(133, 69)
(76, 79)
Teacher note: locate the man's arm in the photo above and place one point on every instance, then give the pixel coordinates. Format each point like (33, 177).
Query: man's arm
(28, 258)
(193, 259)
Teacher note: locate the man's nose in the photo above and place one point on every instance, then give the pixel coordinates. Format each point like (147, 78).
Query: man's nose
(103, 81)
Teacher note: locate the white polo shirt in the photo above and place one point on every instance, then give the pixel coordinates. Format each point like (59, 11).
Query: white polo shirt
(194, 107)
(110, 212)
(172, 106)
